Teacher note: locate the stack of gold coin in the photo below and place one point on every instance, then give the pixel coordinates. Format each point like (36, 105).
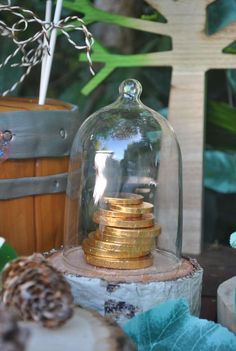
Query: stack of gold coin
(126, 234)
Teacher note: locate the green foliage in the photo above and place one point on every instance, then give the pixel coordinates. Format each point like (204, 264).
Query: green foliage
(220, 172)
(154, 16)
(93, 14)
(74, 80)
(221, 126)
(222, 115)
(230, 49)
(111, 61)
(100, 54)
(231, 75)
(7, 253)
(71, 81)
(220, 13)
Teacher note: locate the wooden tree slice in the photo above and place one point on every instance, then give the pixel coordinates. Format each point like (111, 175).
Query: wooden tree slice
(226, 300)
(86, 330)
(121, 294)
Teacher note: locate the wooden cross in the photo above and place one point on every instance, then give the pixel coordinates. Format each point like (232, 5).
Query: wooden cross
(194, 52)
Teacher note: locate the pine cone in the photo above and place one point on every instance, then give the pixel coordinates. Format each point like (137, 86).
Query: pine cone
(12, 337)
(37, 291)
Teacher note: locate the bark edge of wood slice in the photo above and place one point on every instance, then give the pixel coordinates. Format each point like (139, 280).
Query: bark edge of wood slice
(226, 304)
(117, 296)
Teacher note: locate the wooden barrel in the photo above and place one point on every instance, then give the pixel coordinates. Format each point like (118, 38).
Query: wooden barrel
(33, 178)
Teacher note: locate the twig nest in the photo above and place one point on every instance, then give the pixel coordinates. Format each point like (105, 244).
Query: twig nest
(12, 337)
(37, 291)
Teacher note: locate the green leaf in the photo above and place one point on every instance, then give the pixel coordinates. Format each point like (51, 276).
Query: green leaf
(221, 126)
(231, 76)
(170, 327)
(219, 138)
(94, 14)
(7, 253)
(220, 171)
(101, 55)
(111, 61)
(222, 115)
(230, 49)
(154, 16)
(220, 14)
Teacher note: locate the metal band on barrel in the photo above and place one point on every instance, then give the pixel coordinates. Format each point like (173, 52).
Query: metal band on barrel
(40, 133)
(20, 187)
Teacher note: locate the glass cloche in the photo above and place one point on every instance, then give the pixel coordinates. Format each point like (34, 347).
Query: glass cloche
(124, 192)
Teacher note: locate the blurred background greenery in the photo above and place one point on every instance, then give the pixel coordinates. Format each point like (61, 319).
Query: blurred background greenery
(70, 75)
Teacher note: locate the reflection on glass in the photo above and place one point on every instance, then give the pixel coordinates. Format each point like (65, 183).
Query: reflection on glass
(124, 195)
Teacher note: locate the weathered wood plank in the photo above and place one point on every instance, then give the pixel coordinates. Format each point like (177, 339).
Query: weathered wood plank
(17, 215)
(86, 330)
(194, 52)
(49, 208)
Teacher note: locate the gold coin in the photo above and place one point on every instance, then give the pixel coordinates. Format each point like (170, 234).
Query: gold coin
(145, 221)
(116, 214)
(135, 263)
(134, 233)
(139, 242)
(128, 253)
(144, 207)
(124, 199)
(98, 242)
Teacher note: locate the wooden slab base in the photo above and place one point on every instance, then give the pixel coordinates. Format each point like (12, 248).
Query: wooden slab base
(121, 294)
(226, 297)
(86, 330)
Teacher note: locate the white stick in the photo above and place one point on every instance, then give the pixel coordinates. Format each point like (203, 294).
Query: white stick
(48, 15)
(52, 44)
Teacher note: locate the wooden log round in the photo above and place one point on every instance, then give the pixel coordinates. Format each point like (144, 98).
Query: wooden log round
(26, 221)
(122, 294)
(86, 330)
(226, 301)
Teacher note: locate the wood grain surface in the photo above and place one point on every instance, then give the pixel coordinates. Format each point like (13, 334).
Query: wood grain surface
(32, 223)
(86, 330)
(193, 53)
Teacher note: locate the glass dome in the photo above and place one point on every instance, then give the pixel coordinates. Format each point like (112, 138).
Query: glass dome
(124, 191)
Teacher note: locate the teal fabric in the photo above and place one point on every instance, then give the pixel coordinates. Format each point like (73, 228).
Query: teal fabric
(170, 327)
(220, 171)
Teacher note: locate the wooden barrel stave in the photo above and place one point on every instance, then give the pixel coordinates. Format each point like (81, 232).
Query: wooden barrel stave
(33, 223)
(17, 215)
(49, 233)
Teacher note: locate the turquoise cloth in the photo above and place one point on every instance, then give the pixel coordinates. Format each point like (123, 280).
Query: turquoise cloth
(170, 327)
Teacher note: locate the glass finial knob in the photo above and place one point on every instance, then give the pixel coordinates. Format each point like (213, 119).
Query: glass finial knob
(130, 89)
